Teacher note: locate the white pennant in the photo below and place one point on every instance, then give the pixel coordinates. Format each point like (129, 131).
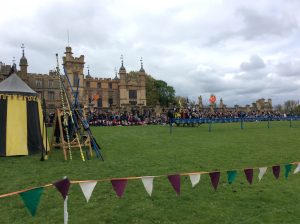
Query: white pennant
(195, 178)
(262, 171)
(87, 189)
(66, 214)
(297, 170)
(148, 184)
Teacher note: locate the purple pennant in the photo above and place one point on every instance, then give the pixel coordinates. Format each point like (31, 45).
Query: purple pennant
(175, 181)
(214, 178)
(276, 171)
(63, 187)
(119, 186)
(249, 175)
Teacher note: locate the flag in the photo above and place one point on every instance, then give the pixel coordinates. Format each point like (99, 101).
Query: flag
(148, 184)
(63, 187)
(175, 181)
(262, 171)
(31, 199)
(96, 97)
(288, 168)
(249, 175)
(297, 170)
(119, 186)
(276, 171)
(195, 178)
(87, 189)
(231, 175)
(214, 178)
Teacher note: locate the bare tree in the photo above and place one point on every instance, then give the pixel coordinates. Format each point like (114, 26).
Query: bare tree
(290, 106)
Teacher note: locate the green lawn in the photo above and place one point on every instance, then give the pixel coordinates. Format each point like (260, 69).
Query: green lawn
(152, 150)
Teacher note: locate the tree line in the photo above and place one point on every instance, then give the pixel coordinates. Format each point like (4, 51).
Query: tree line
(290, 107)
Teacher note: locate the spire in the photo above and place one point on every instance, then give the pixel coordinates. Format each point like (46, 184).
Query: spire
(116, 74)
(23, 60)
(88, 75)
(142, 69)
(13, 68)
(122, 68)
(23, 54)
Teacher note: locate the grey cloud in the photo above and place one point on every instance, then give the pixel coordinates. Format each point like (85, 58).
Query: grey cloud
(257, 24)
(291, 68)
(255, 62)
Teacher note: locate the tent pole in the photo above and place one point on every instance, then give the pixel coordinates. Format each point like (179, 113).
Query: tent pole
(43, 132)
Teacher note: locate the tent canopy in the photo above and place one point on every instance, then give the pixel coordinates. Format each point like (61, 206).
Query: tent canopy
(14, 85)
(22, 129)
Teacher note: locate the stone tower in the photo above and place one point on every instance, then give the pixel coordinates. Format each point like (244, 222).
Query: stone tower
(270, 104)
(221, 103)
(122, 85)
(142, 91)
(74, 68)
(23, 63)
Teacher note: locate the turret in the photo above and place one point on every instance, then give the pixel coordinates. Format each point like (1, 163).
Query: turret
(23, 62)
(122, 72)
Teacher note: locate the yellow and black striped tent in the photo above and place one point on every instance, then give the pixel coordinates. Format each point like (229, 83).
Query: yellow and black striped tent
(22, 130)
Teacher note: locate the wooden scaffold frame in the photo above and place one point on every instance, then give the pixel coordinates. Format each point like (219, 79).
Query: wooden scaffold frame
(62, 142)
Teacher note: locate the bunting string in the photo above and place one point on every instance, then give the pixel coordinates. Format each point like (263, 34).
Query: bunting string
(261, 168)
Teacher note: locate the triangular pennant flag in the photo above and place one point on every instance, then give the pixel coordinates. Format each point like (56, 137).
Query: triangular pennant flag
(87, 189)
(119, 186)
(175, 181)
(231, 174)
(249, 175)
(276, 171)
(63, 187)
(214, 178)
(148, 184)
(32, 198)
(262, 171)
(195, 178)
(288, 168)
(297, 170)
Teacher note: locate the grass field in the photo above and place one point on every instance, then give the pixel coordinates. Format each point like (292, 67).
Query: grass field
(152, 150)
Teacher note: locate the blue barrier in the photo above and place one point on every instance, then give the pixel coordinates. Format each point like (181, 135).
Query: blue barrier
(233, 120)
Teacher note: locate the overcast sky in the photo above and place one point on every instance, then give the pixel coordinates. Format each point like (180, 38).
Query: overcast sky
(238, 50)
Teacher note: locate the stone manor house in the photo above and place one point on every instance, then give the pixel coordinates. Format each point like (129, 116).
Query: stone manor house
(124, 92)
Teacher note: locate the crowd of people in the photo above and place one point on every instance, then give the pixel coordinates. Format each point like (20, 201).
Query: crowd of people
(97, 118)
(101, 118)
(193, 113)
